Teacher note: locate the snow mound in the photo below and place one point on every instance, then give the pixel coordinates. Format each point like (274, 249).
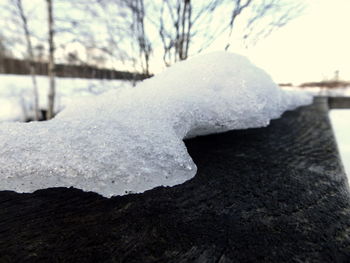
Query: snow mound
(131, 140)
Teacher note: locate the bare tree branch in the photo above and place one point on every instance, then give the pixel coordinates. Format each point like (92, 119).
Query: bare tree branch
(24, 20)
(51, 64)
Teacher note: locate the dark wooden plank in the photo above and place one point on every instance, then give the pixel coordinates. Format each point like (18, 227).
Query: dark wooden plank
(275, 194)
(339, 102)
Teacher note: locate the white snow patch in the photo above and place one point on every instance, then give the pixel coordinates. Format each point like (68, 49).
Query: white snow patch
(341, 125)
(16, 93)
(323, 92)
(131, 140)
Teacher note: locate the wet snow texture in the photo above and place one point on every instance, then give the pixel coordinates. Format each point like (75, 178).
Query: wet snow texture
(130, 140)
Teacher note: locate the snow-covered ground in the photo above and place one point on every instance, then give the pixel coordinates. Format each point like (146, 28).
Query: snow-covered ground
(131, 139)
(316, 91)
(341, 125)
(16, 93)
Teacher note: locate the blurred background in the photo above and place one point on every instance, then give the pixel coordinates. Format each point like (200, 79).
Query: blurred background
(54, 51)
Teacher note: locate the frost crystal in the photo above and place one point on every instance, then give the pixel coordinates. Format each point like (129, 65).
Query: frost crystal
(131, 140)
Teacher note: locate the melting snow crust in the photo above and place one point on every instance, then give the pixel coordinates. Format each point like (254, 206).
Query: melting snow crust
(131, 139)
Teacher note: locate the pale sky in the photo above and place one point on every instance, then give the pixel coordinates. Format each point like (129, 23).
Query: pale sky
(310, 48)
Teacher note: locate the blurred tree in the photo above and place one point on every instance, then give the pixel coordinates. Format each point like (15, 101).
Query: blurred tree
(176, 37)
(184, 24)
(3, 54)
(336, 75)
(73, 58)
(4, 51)
(265, 16)
(19, 11)
(51, 62)
(138, 26)
(136, 34)
(39, 51)
(139, 31)
(100, 31)
(186, 27)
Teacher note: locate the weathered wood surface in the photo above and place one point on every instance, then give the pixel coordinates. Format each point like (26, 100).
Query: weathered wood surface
(275, 194)
(339, 102)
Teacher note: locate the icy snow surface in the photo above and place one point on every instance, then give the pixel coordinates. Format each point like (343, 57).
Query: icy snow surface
(131, 140)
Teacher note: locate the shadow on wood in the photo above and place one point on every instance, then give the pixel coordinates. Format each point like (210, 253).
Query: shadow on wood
(275, 194)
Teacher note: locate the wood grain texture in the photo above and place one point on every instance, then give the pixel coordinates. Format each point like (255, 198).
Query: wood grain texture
(275, 194)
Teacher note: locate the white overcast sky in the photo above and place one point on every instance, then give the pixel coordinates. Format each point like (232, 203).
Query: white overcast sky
(310, 48)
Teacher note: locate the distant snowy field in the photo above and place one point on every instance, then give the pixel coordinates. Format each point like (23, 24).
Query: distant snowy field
(341, 126)
(16, 93)
(316, 91)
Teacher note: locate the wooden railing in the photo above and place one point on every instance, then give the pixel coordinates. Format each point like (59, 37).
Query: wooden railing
(274, 194)
(339, 103)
